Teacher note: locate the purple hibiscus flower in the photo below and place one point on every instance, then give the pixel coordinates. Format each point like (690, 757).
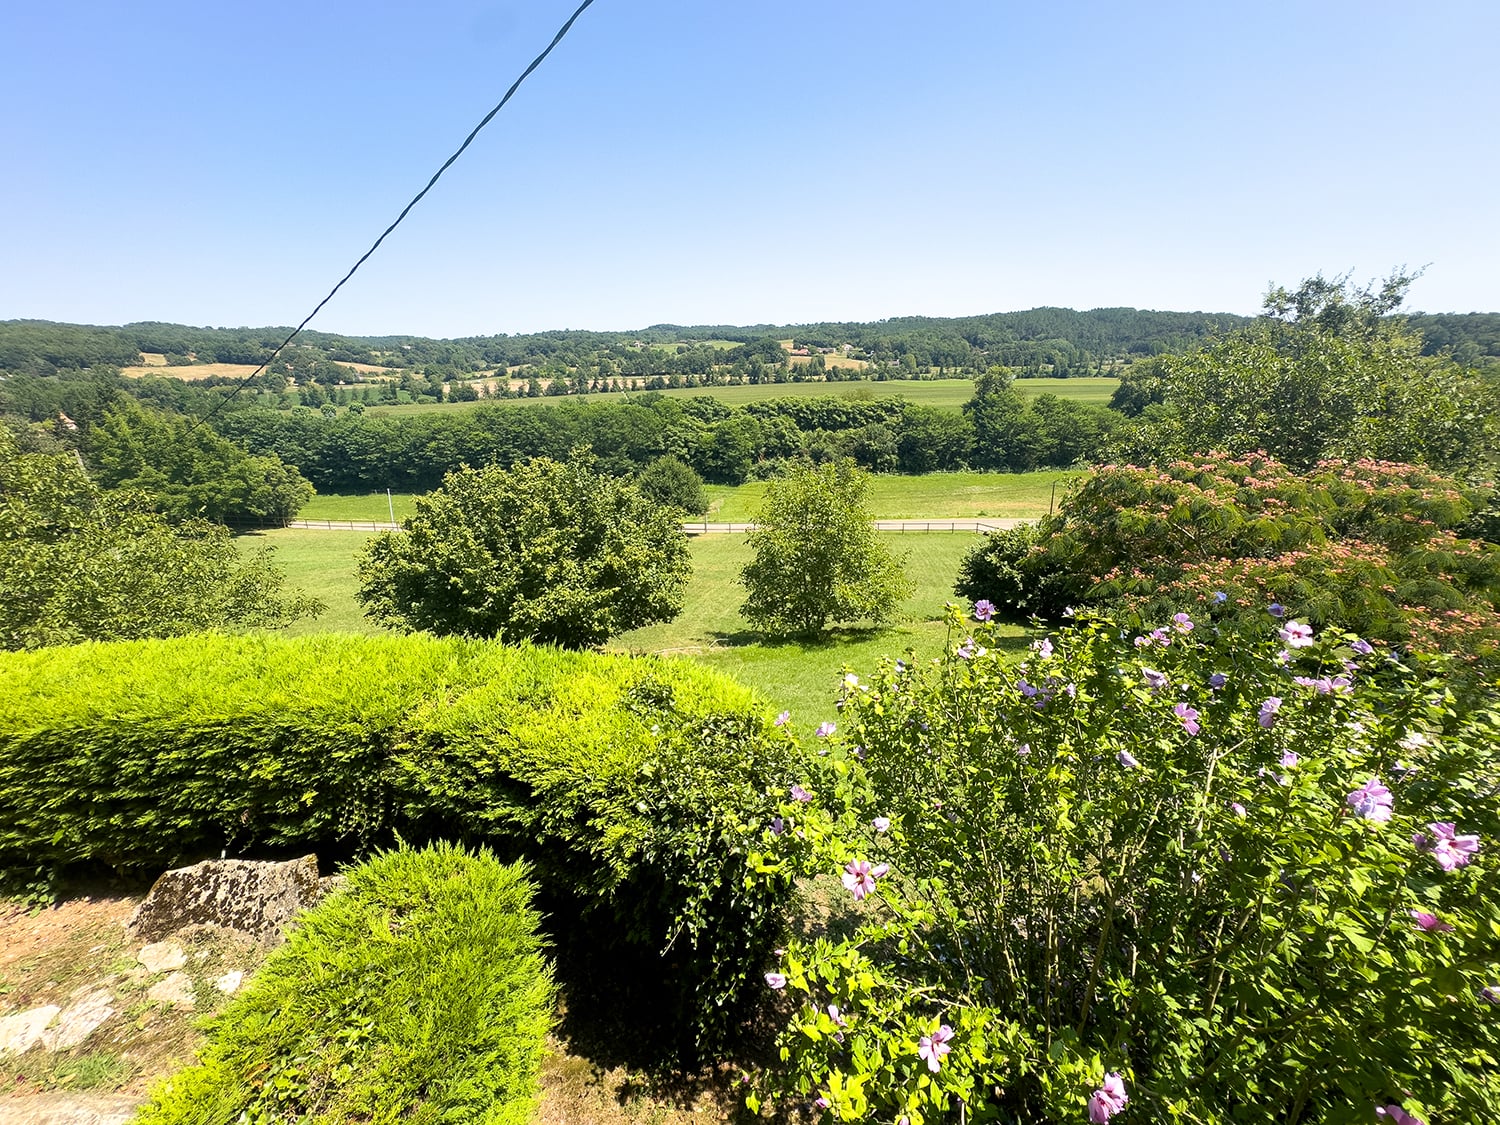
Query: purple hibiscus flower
(859, 877)
(1187, 717)
(1372, 800)
(1442, 842)
(984, 609)
(1430, 922)
(1266, 717)
(1108, 1100)
(933, 1047)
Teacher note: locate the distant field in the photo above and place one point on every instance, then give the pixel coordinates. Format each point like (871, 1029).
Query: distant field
(948, 394)
(372, 507)
(956, 495)
(802, 678)
(193, 373)
(939, 495)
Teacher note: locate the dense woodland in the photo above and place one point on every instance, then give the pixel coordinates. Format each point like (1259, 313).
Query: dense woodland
(1051, 341)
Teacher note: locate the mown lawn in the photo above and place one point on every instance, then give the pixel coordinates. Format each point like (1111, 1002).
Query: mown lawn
(799, 676)
(795, 675)
(940, 495)
(320, 563)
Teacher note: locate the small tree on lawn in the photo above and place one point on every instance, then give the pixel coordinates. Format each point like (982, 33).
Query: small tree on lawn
(546, 551)
(817, 557)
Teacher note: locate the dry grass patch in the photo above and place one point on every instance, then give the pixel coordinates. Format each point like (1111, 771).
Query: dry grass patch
(56, 955)
(194, 372)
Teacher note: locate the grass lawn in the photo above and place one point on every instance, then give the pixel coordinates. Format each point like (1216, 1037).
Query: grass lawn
(369, 506)
(799, 676)
(948, 394)
(320, 563)
(955, 495)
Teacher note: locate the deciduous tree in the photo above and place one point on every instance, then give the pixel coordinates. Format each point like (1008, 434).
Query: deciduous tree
(817, 557)
(81, 563)
(546, 551)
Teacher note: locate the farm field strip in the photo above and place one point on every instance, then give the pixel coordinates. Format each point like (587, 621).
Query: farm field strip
(948, 394)
(935, 496)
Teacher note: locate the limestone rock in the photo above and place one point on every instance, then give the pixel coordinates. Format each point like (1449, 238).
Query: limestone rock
(176, 990)
(79, 1020)
(69, 1109)
(162, 956)
(20, 1032)
(230, 982)
(255, 898)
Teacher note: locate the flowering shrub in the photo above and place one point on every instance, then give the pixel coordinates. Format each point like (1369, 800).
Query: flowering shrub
(1365, 545)
(1200, 875)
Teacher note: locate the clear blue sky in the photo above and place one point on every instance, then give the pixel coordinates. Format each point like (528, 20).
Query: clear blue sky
(697, 161)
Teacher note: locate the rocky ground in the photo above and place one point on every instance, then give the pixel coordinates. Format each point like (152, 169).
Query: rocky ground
(90, 1019)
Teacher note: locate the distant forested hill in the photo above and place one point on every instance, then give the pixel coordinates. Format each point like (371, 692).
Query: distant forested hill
(1050, 341)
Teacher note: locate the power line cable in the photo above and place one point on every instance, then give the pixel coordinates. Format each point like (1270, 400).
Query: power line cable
(488, 117)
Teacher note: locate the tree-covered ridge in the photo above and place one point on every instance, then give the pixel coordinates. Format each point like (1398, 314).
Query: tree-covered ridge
(1049, 337)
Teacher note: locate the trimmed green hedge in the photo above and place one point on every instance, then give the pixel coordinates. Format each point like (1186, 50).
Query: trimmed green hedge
(417, 992)
(629, 783)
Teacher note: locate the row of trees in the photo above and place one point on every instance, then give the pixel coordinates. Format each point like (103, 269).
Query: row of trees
(1039, 337)
(361, 452)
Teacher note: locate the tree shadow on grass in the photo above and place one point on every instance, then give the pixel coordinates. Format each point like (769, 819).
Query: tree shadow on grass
(828, 639)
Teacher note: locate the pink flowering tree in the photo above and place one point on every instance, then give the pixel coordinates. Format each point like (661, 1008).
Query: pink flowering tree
(1115, 879)
(1380, 548)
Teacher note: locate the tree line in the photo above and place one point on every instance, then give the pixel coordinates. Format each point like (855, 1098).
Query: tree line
(354, 452)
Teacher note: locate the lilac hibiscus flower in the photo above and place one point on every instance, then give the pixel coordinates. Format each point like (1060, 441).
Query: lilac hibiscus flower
(1187, 716)
(933, 1047)
(1442, 842)
(1108, 1100)
(1372, 800)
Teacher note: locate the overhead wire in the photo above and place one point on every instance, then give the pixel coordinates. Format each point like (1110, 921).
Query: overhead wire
(488, 117)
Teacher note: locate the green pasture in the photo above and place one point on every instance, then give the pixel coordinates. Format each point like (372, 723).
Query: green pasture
(320, 563)
(799, 676)
(370, 507)
(939, 495)
(948, 394)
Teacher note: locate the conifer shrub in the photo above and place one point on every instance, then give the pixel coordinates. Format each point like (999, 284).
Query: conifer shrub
(629, 782)
(1217, 875)
(416, 992)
